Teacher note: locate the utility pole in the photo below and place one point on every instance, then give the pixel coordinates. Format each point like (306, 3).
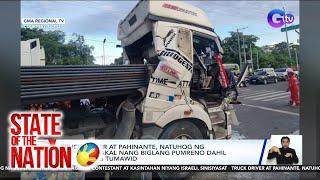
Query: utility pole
(285, 25)
(244, 51)
(251, 56)
(250, 52)
(295, 47)
(239, 48)
(257, 60)
(295, 51)
(103, 58)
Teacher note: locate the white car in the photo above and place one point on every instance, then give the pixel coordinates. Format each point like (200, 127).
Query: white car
(282, 73)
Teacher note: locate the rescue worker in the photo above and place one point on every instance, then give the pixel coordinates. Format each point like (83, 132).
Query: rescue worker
(293, 86)
(233, 87)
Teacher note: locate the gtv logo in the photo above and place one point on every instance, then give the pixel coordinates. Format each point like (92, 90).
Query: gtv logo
(277, 18)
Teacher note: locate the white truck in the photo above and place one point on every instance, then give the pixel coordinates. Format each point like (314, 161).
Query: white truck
(32, 54)
(186, 94)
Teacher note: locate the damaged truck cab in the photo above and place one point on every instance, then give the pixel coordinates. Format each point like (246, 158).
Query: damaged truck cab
(186, 93)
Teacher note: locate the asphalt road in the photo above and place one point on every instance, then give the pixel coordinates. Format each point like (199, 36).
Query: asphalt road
(264, 111)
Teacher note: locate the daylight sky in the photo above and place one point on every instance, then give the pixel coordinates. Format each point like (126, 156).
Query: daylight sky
(99, 19)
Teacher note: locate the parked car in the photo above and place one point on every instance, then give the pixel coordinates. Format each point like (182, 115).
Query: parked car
(264, 76)
(282, 74)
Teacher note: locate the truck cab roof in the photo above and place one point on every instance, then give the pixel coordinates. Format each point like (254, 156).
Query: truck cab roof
(141, 16)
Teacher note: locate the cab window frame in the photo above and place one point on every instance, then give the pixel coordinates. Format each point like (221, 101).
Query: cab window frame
(216, 39)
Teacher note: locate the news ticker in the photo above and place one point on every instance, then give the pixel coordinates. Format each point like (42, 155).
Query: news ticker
(35, 144)
(200, 168)
(213, 168)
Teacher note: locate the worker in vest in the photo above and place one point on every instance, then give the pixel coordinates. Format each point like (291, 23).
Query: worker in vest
(233, 87)
(293, 87)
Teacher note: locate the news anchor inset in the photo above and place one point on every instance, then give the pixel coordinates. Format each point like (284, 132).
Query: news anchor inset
(284, 155)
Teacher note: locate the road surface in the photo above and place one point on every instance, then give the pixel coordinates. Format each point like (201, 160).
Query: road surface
(264, 111)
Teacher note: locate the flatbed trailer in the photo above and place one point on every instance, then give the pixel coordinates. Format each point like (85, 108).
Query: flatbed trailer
(60, 83)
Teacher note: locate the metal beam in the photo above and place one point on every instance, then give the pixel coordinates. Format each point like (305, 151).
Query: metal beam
(60, 83)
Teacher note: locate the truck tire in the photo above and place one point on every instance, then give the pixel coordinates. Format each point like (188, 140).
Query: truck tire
(182, 129)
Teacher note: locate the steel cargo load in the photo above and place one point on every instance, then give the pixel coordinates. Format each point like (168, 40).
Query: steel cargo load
(60, 83)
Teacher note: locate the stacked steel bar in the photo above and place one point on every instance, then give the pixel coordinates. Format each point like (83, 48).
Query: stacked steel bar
(59, 83)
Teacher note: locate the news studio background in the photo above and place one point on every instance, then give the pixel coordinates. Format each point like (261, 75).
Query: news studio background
(159, 90)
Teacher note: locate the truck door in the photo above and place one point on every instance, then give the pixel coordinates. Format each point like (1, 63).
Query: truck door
(170, 82)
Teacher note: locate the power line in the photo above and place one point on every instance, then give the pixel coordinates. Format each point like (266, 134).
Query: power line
(101, 41)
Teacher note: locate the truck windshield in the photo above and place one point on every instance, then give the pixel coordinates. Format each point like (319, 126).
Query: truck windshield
(205, 48)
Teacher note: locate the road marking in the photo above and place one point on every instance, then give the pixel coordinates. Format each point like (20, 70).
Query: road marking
(254, 93)
(245, 89)
(271, 96)
(271, 109)
(276, 98)
(260, 95)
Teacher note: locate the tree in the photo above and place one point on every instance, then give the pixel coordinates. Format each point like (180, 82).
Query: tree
(57, 52)
(266, 60)
(230, 46)
(119, 60)
(76, 52)
(281, 52)
(275, 58)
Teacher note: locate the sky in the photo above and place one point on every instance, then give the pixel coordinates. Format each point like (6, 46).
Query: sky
(96, 20)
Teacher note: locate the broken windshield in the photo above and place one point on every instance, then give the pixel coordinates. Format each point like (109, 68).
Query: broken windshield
(205, 48)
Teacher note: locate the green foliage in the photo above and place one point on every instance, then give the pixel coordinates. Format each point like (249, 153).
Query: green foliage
(119, 60)
(57, 52)
(230, 46)
(276, 57)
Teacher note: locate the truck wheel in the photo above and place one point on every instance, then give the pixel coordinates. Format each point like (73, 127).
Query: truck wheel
(182, 129)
